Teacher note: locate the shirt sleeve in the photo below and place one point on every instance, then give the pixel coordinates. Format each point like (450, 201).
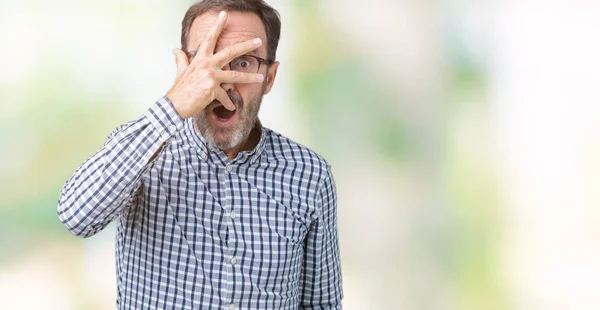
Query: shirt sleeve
(321, 279)
(109, 179)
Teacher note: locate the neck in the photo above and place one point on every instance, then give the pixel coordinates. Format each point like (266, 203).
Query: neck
(249, 144)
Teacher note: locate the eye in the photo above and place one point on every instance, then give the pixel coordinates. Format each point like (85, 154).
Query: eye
(242, 63)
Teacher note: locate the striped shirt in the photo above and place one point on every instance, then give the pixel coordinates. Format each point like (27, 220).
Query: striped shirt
(196, 230)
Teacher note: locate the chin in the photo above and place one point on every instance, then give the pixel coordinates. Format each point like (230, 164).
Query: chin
(225, 141)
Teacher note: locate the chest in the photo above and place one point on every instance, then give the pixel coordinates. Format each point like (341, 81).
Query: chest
(255, 203)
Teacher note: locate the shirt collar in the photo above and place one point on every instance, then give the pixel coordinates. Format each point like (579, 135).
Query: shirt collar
(204, 149)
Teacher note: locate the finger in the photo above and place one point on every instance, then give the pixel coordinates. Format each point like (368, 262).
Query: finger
(227, 54)
(230, 76)
(224, 99)
(207, 46)
(181, 60)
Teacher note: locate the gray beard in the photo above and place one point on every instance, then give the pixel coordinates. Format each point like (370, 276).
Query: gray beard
(228, 138)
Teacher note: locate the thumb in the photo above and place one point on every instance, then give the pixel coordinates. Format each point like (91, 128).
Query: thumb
(180, 60)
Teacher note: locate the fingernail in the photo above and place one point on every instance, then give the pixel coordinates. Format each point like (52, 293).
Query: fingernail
(222, 14)
(260, 77)
(175, 51)
(257, 41)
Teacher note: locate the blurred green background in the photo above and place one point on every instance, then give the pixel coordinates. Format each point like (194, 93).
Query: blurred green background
(463, 136)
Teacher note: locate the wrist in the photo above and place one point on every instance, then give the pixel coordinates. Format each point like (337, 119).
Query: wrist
(176, 103)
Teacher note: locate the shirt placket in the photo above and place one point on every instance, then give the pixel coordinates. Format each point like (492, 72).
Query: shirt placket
(231, 260)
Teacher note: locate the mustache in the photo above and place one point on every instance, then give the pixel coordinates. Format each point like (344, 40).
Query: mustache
(234, 97)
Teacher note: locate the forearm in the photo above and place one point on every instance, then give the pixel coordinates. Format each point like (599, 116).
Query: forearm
(109, 179)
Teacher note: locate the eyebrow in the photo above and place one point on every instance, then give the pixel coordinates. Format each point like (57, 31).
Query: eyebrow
(194, 52)
(254, 52)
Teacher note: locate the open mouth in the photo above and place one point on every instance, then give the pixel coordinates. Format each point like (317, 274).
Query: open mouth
(221, 114)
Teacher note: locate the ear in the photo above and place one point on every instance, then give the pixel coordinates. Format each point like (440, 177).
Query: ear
(271, 76)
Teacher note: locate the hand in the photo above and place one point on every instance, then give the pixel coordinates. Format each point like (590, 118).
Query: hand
(199, 82)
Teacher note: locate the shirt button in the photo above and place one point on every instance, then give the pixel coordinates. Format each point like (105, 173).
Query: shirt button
(232, 215)
(231, 307)
(229, 168)
(233, 261)
(172, 128)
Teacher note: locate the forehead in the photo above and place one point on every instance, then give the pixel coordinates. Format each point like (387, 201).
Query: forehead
(238, 28)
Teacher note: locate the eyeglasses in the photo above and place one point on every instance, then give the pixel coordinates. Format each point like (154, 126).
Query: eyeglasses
(244, 63)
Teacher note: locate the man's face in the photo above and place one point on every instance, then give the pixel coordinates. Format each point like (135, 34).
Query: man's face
(220, 127)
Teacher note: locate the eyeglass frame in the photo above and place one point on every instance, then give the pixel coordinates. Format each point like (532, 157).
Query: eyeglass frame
(267, 62)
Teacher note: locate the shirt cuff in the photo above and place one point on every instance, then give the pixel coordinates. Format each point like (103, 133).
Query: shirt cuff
(164, 118)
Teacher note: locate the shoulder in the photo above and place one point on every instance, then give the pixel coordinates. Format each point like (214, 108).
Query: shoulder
(287, 151)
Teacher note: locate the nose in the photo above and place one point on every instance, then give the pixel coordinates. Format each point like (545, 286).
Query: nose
(227, 86)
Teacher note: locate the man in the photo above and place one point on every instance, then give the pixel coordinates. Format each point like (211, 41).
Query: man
(214, 211)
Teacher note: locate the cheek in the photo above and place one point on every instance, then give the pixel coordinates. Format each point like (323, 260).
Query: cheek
(249, 92)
